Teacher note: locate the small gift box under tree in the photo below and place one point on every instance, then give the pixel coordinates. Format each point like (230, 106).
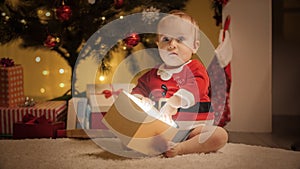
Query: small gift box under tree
(53, 110)
(36, 127)
(11, 83)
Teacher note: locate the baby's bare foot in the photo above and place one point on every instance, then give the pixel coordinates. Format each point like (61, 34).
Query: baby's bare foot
(173, 151)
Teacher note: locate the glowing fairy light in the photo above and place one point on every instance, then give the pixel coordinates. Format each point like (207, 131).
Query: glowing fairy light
(61, 85)
(37, 59)
(61, 71)
(42, 90)
(47, 14)
(45, 72)
(101, 78)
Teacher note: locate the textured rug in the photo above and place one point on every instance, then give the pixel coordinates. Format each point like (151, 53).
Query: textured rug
(85, 154)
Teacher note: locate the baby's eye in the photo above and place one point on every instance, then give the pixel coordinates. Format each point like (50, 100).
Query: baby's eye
(165, 39)
(180, 39)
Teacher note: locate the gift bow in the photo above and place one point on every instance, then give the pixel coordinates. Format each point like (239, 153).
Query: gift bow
(109, 93)
(6, 62)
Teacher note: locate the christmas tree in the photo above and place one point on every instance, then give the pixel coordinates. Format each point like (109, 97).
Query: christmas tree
(65, 26)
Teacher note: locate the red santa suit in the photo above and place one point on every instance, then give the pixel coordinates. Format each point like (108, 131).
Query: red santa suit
(190, 82)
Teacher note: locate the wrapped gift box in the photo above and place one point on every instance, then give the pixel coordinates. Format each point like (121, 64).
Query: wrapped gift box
(139, 127)
(81, 117)
(96, 121)
(37, 128)
(87, 112)
(100, 98)
(61, 133)
(11, 86)
(53, 110)
(77, 113)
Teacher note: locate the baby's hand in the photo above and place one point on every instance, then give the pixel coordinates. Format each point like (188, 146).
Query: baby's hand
(171, 106)
(147, 101)
(167, 109)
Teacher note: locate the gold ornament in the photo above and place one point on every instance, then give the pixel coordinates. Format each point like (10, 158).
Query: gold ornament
(44, 14)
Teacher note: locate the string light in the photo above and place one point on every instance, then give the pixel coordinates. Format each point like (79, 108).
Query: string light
(42, 90)
(37, 59)
(61, 85)
(121, 17)
(61, 71)
(45, 72)
(48, 14)
(23, 21)
(40, 12)
(101, 78)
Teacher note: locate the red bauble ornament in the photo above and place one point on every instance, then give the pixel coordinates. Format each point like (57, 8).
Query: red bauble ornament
(64, 12)
(132, 40)
(118, 3)
(51, 41)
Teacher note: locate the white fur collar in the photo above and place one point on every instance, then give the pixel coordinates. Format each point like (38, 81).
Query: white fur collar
(166, 74)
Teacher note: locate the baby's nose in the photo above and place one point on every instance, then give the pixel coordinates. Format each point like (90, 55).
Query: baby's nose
(172, 44)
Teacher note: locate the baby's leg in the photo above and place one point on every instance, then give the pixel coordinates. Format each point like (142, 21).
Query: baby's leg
(202, 139)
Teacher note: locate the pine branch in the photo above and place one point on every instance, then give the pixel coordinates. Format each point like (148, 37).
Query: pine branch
(27, 19)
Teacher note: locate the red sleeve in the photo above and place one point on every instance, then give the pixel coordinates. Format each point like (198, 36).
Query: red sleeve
(199, 78)
(142, 85)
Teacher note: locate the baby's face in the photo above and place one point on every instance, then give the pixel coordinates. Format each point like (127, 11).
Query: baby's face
(176, 41)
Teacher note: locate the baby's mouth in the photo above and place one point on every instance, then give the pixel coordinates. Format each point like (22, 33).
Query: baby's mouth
(173, 54)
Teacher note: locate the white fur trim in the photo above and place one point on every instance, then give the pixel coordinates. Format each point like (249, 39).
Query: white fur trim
(187, 98)
(224, 51)
(166, 74)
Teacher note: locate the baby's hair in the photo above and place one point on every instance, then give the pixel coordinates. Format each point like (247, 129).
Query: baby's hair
(187, 17)
(184, 15)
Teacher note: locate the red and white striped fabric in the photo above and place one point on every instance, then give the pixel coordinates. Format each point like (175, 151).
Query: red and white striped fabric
(8, 116)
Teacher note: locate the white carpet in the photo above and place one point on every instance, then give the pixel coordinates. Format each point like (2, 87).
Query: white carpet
(84, 154)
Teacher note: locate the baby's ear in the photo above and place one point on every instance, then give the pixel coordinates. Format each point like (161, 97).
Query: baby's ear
(196, 46)
(157, 40)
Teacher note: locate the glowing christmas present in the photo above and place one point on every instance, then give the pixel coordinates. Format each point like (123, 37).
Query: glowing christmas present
(11, 86)
(102, 96)
(140, 127)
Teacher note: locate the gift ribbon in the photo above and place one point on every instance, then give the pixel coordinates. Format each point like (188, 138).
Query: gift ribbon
(31, 119)
(6, 62)
(109, 93)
